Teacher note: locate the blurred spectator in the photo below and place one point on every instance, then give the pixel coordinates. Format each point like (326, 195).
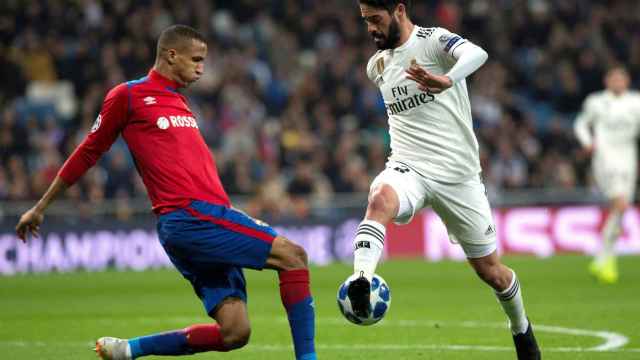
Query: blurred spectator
(508, 167)
(285, 104)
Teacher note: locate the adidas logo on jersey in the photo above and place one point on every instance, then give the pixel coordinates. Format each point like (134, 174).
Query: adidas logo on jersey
(149, 100)
(401, 169)
(425, 32)
(490, 230)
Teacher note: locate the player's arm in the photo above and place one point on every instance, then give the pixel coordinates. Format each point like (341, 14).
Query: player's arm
(30, 221)
(467, 58)
(584, 123)
(104, 132)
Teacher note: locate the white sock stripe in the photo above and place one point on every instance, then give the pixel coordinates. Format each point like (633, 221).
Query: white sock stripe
(373, 223)
(373, 232)
(505, 294)
(513, 281)
(515, 291)
(365, 259)
(510, 293)
(370, 233)
(372, 228)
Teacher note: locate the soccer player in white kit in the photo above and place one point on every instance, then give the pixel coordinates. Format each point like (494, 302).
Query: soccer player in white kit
(434, 157)
(608, 128)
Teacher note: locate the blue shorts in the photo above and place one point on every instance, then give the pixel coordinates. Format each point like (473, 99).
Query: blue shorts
(210, 244)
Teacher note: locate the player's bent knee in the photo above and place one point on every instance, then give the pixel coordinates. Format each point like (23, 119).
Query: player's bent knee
(236, 337)
(383, 199)
(287, 255)
(301, 255)
(298, 258)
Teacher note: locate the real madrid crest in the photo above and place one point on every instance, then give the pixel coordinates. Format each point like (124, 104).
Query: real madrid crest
(380, 65)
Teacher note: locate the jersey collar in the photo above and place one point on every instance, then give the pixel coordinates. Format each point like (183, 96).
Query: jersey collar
(167, 83)
(409, 40)
(611, 95)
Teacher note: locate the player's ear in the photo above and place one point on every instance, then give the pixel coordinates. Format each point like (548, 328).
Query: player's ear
(171, 56)
(400, 11)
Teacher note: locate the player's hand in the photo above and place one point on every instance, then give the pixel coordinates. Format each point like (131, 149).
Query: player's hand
(29, 224)
(588, 150)
(427, 81)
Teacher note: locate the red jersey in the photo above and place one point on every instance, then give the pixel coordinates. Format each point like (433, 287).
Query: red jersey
(163, 136)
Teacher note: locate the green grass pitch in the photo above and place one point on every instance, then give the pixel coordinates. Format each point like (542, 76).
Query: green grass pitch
(438, 311)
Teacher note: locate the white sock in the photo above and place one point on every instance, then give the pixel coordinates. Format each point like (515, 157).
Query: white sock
(367, 246)
(511, 301)
(610, 233)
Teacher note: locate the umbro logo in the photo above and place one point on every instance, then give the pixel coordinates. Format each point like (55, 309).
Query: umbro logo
(149, 100)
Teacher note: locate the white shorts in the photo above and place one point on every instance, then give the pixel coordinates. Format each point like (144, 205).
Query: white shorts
(463, 208)
(615, 181)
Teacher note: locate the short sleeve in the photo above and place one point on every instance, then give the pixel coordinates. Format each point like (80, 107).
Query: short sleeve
(375, 66)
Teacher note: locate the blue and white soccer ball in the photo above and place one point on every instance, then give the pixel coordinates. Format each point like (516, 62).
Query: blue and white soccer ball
(379, 301)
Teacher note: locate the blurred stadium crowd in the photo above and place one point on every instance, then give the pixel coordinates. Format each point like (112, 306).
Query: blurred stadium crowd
(285, 103)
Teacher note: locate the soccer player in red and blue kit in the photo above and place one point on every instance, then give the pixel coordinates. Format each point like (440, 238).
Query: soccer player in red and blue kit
(206, 239)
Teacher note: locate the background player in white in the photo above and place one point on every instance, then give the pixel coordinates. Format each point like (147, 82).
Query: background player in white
(434, 155)
(608, 128)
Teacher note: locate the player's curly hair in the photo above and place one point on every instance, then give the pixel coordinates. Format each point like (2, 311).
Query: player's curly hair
(388, 5)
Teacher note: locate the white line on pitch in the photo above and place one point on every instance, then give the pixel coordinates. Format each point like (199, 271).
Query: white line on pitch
(332, 347)
(612, 341)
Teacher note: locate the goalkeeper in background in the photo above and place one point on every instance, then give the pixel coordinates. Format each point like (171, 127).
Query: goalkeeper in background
(608, 129)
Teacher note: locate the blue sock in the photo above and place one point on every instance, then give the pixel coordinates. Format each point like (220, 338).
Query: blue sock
(169, 343)
(302, 323)
(297, 300)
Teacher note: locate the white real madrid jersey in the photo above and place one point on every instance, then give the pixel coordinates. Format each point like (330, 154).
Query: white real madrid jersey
(615, 123)
(433, 133)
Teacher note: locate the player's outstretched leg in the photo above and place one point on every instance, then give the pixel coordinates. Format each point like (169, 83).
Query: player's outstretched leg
(507, 289)
(290, 260)
(604, 266)
(368, 244)
(196, 338)
(231, 332)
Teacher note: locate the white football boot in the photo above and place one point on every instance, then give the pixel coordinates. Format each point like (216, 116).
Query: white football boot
(110, 348)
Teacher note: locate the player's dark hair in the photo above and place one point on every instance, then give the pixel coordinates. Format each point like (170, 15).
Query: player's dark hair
(388, 5)
(175, 36)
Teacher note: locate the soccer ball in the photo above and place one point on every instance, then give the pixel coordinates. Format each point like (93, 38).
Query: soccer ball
(379, 301)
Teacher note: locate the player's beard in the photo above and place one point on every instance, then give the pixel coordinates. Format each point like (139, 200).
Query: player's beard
(391, 40)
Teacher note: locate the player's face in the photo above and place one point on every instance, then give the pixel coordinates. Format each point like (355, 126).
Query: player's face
(189, 62)
(382, 26)
(617, 81)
